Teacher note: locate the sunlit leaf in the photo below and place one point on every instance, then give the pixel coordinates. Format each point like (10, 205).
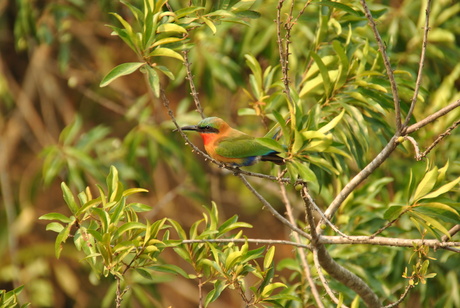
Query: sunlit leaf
(442, 190)
(120, 70)
(426, 184)
(166, 52)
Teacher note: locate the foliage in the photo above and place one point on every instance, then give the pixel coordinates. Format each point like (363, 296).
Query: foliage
(313, 83)
(115, 243)
(10, 299)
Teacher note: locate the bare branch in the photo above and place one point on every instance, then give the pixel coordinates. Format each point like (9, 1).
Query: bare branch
(403, 296)
(325, 283)
(283, 50)
(432, 117)
(272, 209)
(360, 177)
(416, 147)
(248, 240)
(440, 137)
(386, 61)
(301, 252)
(452, 232)
(189, 77)
(334, 269)
(320, 212)
(385, 241)
(420, 66)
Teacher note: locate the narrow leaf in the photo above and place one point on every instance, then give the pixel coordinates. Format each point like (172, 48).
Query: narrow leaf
(120, 70)
(426, 184)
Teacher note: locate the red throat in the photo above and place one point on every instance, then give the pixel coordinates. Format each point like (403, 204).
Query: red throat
(208, 138)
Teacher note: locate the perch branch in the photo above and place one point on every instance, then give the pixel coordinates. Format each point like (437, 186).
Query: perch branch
(272, 209)
(301, 252)
(386, 62)
(418, 82)
(440, 137)
(189, 77)
(334, 269)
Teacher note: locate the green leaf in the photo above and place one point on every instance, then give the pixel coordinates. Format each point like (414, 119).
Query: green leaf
(393, 212)
(169, 27)
(214, 294)
(69, 198)
(268, 289)
(60, 239)
(426, 184)
(439, 210)
(269, 255)
(165, 71)
(209, 23)
(442, 190)
(120, 70)
(130, 226)
(333, 123)
(430, 222)
(171, 269)
(339, 6)
(270, 143)
(166, 52)
(154, 80)
(323, 71)
(56, 216)
(54, 226)
(167, 40)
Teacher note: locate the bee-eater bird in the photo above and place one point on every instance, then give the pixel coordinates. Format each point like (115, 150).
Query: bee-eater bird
(231, 146)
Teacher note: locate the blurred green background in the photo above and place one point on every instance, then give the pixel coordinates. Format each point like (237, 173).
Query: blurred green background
(57, 125)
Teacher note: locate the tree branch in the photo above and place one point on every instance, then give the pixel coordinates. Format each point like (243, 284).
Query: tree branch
(386, 62)
(440, 137)
(432, 117)
(385, 241)
(420, 66)
(360, 177)
(189, 77)
(272, 209)
(301, 252)
(334, 269)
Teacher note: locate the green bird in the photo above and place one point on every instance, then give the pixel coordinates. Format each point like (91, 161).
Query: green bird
(231, 146)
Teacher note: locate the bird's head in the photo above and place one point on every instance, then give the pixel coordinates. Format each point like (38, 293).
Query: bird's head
(211, 125)
(209, 128)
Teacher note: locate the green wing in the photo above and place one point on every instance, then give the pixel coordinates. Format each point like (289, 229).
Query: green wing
(241, 147)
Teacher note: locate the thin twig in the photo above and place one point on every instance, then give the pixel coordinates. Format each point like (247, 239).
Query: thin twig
(452, 232)
(403, 296)
(189, 77)
(339, 240)
(389, 223)
(248, 240)
(418, 82)
(301, 252)
(440, 137)
(320, 212)
(386, 62)
(323, 279)
(415, 145)
(272, 209)
(335, 270)
(359, 178)
(433, 117)
(385, 241)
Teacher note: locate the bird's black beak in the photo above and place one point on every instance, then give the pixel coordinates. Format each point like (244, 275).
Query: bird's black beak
(189, 127)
